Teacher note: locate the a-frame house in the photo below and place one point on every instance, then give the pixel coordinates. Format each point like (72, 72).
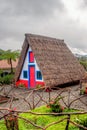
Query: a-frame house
(46, 61)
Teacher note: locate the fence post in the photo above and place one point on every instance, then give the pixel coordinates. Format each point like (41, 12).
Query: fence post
(49, 96)
(68, 116)
(68, 121)
(80, 84)
(33, 100)
(69, 98)
(11, 122)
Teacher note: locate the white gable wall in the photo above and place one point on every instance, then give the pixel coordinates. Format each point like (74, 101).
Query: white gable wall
(25, 67)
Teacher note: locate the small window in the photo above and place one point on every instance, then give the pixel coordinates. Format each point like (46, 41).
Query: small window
(25, 74)
(31, 57)
(39, 75)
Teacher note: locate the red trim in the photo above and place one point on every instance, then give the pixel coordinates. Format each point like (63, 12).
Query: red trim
(24, 82)
(41, 83)
(31, 56)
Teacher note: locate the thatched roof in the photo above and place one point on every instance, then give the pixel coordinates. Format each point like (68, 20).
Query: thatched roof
(56, 62)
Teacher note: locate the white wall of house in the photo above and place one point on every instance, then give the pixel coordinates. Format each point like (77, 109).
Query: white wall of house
(25, 67)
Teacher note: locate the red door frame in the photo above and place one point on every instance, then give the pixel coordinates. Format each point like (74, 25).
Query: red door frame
(31, 71)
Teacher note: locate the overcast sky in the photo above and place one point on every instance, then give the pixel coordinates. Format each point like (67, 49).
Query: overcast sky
(63, 19)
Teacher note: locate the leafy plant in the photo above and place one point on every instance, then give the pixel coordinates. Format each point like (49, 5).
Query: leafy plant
(21, 85)
(8, 79)
(55, 105)
(38, 86)
(1, 71)
(82, 92)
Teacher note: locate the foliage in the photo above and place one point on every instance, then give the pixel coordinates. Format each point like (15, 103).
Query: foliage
(84, 64)
(82, 121)
(21, 85)
(8, 79)
(55, 105)
(1, 52)
(1, 71)
(9, 56)
(82, 92)
(38, 86)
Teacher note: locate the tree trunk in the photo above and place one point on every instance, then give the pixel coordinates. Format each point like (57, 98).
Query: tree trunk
(11, 66)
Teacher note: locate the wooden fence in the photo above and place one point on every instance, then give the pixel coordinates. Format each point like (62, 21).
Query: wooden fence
(44, 97)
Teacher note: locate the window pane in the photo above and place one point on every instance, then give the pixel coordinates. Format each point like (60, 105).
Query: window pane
(25, 74)
(39, 75)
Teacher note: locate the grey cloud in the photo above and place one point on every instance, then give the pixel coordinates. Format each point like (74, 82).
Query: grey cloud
(31, 7)
(70, 31)
(83, 5)
(85, 2)
(18, 17)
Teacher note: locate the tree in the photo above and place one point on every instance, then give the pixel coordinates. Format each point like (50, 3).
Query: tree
(9, 56)
(1, 52)
(84, 64)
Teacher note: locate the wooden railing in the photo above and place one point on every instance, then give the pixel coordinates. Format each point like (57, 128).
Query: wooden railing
(37, 97)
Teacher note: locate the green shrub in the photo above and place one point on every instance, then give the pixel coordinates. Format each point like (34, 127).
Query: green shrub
(1, 71)
(1, 80)
(55, 105)
(8, 79)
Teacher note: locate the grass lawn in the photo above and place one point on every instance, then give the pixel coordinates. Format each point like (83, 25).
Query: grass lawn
(43, 120)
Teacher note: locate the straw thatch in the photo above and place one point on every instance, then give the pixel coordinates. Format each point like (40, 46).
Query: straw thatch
(56, 62)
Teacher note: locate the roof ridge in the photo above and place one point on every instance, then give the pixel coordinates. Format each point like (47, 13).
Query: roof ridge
(42, 36)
